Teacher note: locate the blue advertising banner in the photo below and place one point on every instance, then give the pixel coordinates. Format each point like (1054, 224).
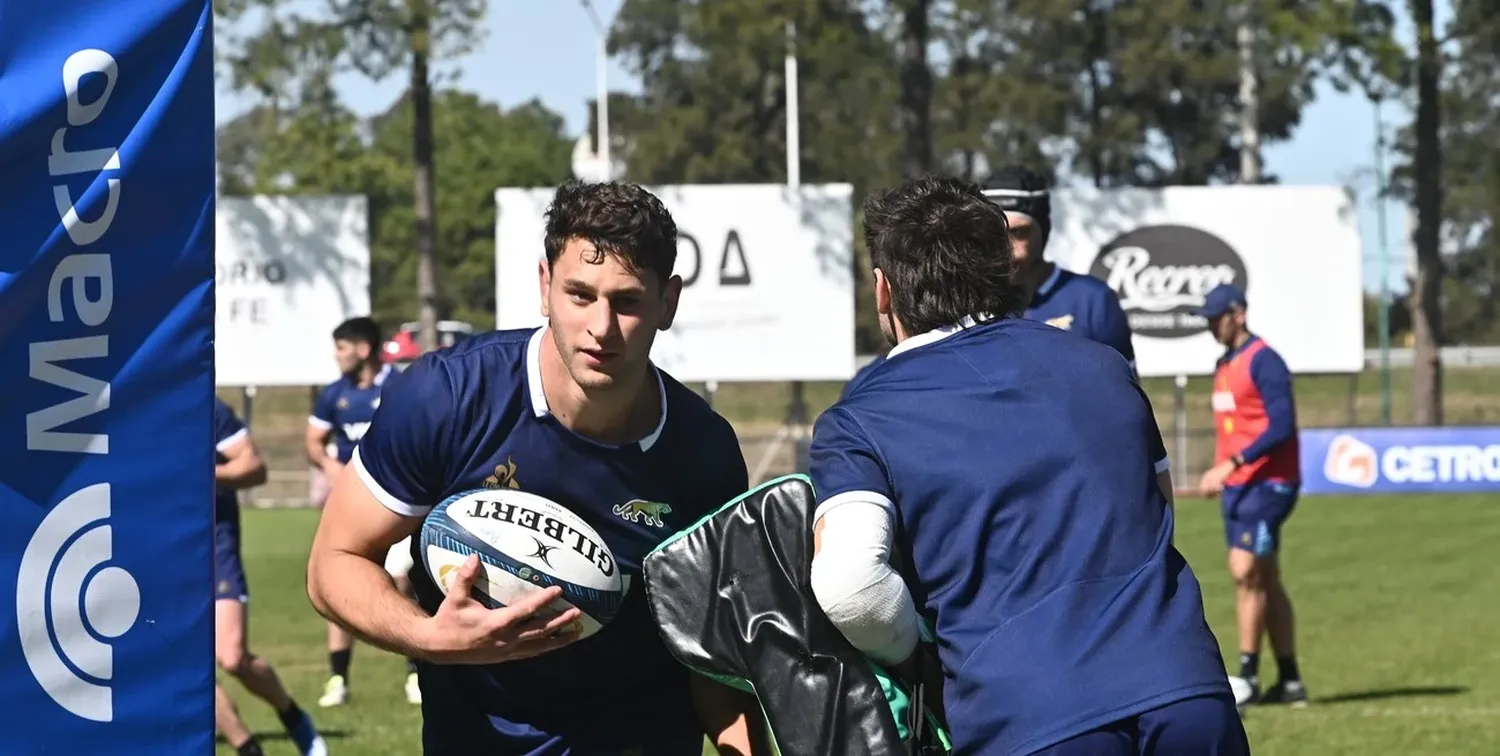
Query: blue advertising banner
(1400, 460)
(106, 374)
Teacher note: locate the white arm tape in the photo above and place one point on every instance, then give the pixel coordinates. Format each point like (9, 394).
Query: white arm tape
(855, 585)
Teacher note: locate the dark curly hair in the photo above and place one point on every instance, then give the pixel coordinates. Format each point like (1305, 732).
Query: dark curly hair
(619, 219)
(945, 249)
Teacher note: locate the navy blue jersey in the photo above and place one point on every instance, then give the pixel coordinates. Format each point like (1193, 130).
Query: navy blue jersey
(228, 431)
(1081, 304)
(346, 409)
(475, 416)
(1084, 305)
(1020, 465)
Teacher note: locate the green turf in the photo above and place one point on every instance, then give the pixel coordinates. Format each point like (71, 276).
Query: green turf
(1395, 599)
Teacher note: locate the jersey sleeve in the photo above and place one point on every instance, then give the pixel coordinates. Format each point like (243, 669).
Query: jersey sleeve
(1273, 380)
(228, 428)
(844, 465)
(1113, 327)
(322, 416)
(1158, 445)
(403, 457)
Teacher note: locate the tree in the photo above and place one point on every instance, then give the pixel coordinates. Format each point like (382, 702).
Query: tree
(1470, 177)
(376, 38)
(713, 105)
(478, 148)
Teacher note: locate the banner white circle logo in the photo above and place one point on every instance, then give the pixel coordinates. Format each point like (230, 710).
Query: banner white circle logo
(1161, 274)
(70, 600)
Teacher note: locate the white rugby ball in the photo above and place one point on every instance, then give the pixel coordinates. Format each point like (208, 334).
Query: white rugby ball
(525, 543)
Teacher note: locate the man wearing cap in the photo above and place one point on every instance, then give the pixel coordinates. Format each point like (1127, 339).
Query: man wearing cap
(1079, 303)
(1257, 473)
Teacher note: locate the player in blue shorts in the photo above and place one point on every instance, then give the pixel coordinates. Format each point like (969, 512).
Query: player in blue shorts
(574, 412)
(1019, 473)
(239, 466)
(340, 416)
(1258, 472)
(1060, 298)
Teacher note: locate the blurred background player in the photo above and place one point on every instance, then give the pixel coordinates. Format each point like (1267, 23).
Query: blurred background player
(1060, 298)
(238, 465)
(574, 412)
(340, 416)
(1070, 301)
(1257, 470)
(1066, 622)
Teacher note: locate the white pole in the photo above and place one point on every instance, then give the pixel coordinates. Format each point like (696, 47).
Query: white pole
(793, 133)
(601, 94)
(601, 106)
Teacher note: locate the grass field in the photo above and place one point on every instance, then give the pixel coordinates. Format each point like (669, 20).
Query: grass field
(1395, 596)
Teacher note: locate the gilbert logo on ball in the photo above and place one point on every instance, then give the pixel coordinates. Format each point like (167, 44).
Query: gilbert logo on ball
(1161, 274)
(525, 543)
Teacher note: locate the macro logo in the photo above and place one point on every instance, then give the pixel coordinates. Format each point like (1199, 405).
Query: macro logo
(1161, 273)
(1351, 462)
(70, 600)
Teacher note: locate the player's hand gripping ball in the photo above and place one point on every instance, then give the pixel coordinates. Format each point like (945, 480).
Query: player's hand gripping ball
(525, 544)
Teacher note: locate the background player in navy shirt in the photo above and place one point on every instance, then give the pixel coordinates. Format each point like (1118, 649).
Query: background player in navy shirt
(341, 414)
(1019, 473)
(574, 412)
(238, 465)
(1060, 298)
(1070, 301)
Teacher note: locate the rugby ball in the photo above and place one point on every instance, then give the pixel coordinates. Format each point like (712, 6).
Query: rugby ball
(525, 543)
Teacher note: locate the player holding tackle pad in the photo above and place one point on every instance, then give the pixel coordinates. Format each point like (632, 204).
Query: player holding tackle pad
(574, 412)
(1018, 472)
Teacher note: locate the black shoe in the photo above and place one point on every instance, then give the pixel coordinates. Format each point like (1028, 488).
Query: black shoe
(1291, 692)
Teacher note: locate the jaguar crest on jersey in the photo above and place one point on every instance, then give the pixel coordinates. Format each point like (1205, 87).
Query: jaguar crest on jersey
(650, 512)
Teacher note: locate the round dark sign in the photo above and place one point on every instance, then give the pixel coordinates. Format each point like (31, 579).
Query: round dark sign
(1161, 273)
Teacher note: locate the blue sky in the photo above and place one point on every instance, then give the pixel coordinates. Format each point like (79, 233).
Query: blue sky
(555, 43)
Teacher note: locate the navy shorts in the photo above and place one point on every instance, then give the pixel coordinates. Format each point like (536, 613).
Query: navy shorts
(1202, 726)
(1254, 514)
(229, 570)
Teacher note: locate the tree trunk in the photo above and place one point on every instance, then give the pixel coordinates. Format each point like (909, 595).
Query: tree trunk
(916, 91)
(425, 190)
(1426, 309)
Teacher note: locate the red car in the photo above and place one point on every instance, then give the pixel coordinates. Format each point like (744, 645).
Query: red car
(402, 347)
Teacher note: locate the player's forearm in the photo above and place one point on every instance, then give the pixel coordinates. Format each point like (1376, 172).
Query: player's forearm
(241, 472)
(358, 594)
(731, 718)
(1280, 427)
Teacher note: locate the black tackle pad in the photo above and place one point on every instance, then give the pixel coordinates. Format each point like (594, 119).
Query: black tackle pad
(732, 599)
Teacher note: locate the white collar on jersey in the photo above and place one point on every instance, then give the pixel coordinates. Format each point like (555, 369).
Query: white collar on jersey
(385, 372)
(1046, 287)
(932, 337)
(539, 397)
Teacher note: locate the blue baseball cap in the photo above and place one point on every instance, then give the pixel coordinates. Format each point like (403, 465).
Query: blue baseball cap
(1219, 300)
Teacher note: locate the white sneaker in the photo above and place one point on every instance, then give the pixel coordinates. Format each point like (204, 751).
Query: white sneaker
(413, 690)
(1245, 691)
(335, 692)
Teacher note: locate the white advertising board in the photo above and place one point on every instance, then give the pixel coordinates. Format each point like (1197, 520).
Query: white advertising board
(768, 279)
(1294, 250)
(288, 271)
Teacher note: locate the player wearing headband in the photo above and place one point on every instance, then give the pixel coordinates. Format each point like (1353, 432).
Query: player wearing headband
(1070, 301)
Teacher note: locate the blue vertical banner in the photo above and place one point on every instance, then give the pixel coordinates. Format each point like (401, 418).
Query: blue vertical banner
(106, 376)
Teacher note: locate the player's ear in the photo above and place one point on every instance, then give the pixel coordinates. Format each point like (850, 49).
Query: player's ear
(671, 295)
(882, 293)
(544, 278)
